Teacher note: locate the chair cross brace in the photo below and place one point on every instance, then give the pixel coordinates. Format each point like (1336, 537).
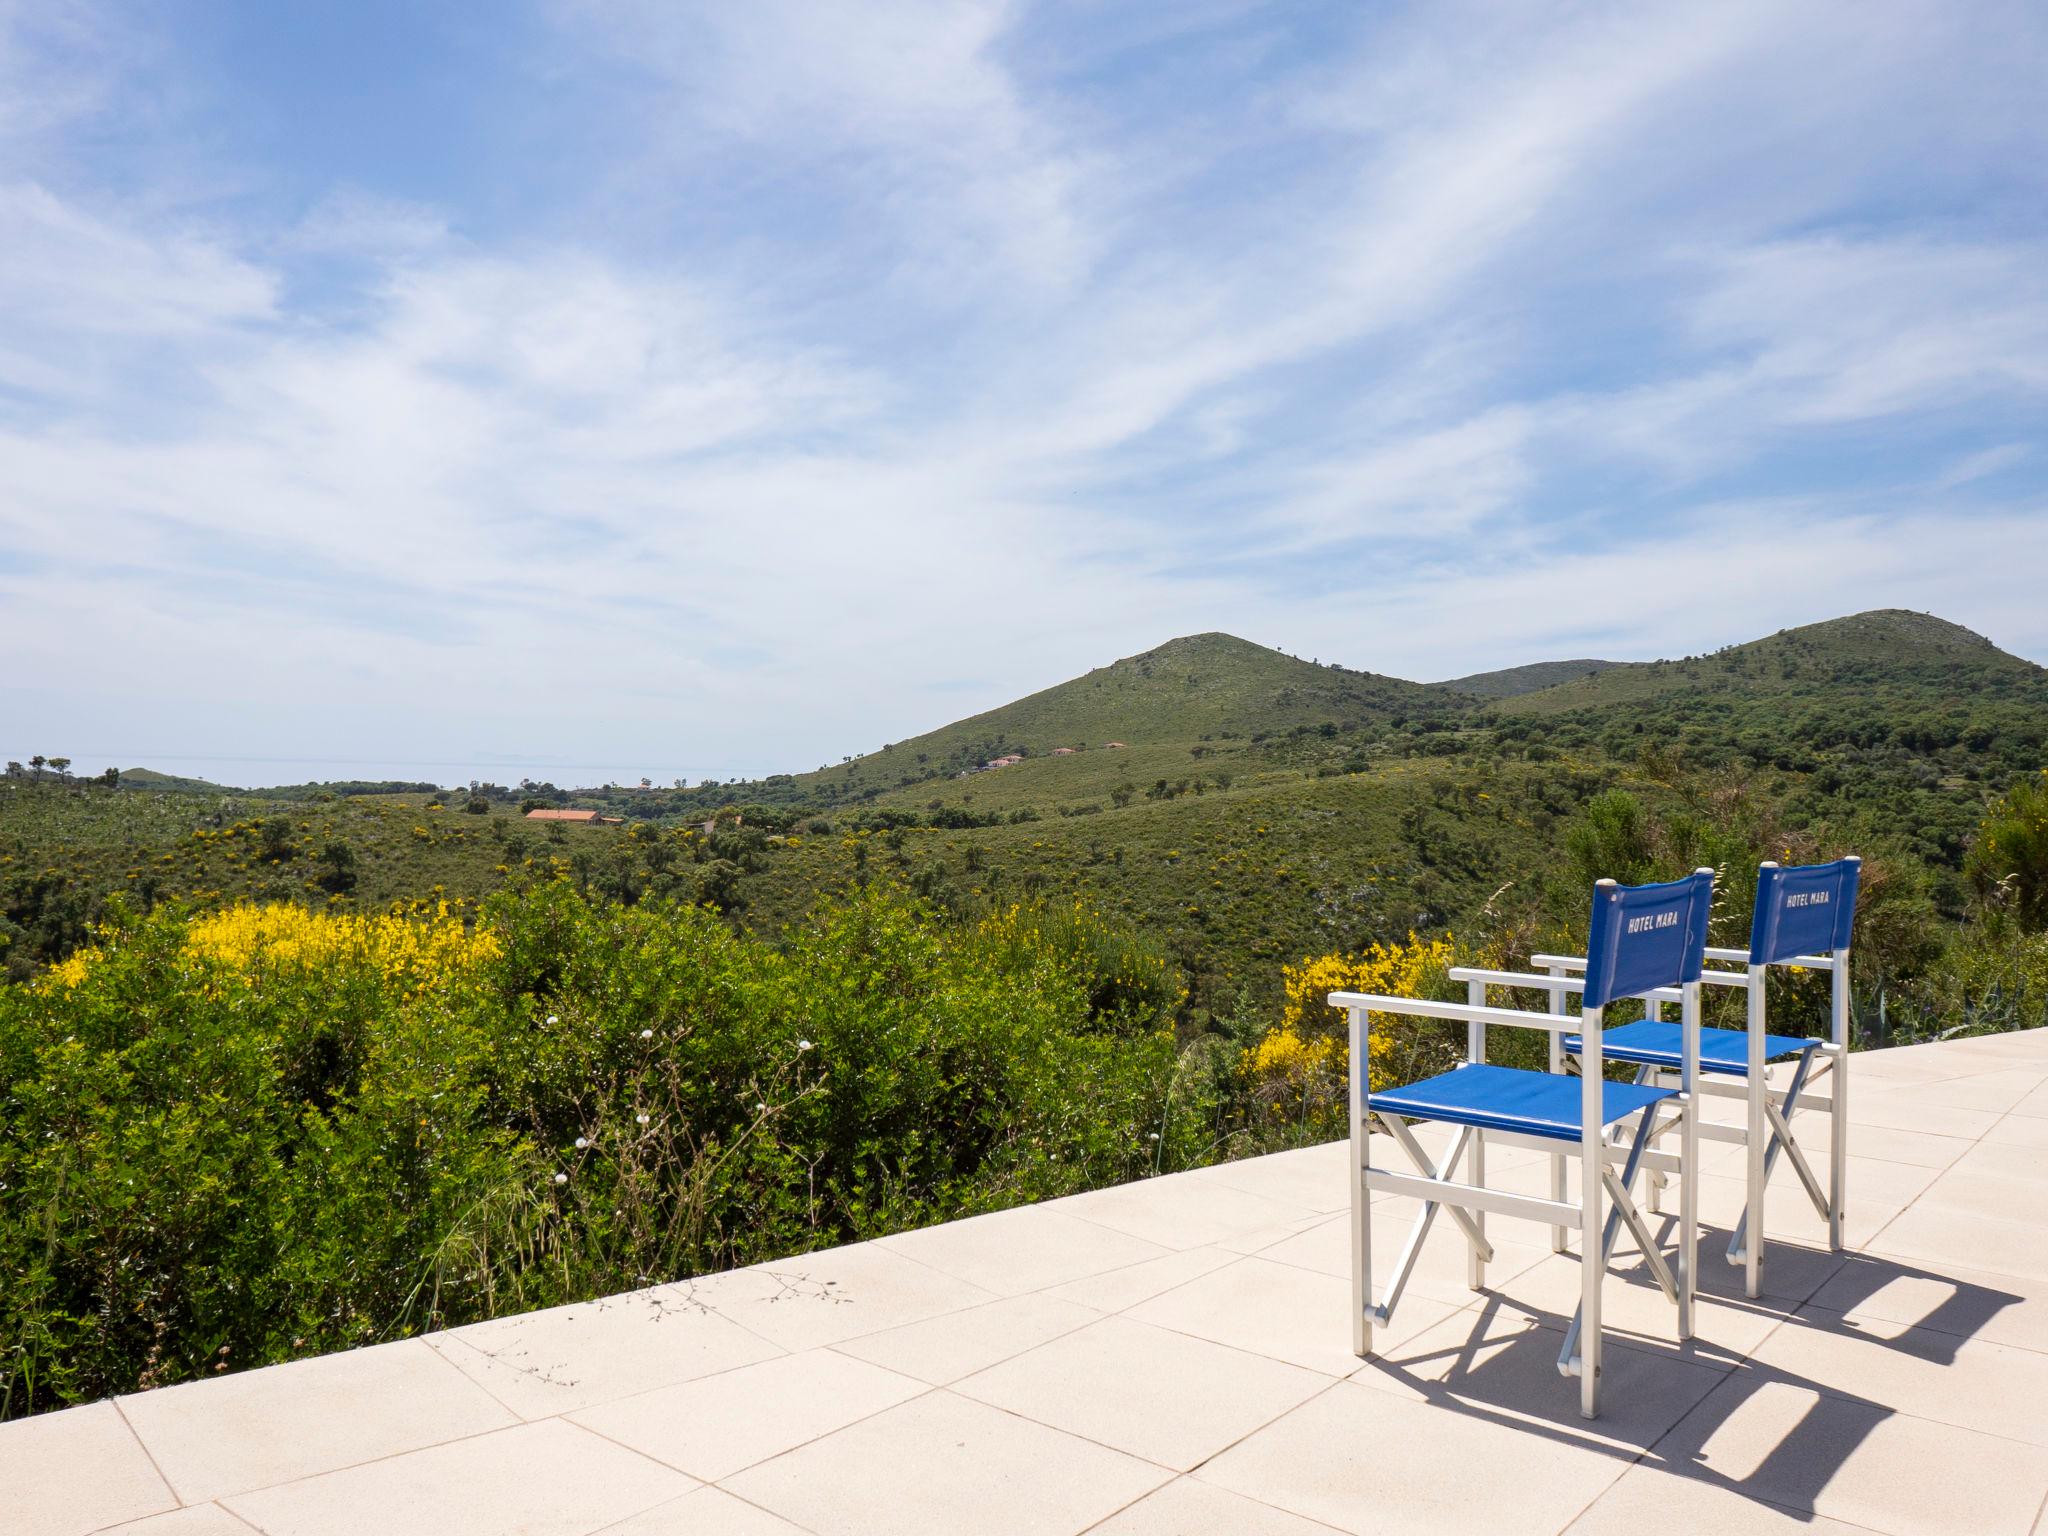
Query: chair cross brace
(1435, 1174)
(1781, 1140)
(1623, 1210)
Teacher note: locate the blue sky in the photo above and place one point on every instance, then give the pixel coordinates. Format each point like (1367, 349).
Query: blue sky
(619, 386)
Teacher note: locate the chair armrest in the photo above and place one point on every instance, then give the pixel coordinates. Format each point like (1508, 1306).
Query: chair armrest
(1462, 1013)
(1518, 979)
(1670, 994)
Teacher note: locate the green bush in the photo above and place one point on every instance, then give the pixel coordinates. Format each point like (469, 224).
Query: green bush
(232, 1140)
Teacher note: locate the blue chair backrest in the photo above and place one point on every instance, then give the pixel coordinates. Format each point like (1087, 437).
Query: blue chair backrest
(1646, 936)
(1807, 910)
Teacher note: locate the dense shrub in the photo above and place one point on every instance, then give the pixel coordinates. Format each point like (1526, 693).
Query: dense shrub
(268, 1132)
(1296, 1074)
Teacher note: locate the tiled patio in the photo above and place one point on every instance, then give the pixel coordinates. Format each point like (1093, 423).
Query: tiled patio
(1173, 1357)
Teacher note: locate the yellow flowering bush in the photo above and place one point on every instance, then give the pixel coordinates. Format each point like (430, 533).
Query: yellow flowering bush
(412, 950)
(1297, 1072)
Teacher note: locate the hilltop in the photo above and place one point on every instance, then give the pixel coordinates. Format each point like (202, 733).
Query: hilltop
(1510, 681)
(1208, 687)
(1885, 648)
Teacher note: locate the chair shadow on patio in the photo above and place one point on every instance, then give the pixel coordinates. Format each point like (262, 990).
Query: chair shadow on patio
(1775, 1397)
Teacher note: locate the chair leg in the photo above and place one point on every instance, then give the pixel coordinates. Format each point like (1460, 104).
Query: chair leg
(1475, 1173)
(1751, 1232)
(1592, 1267)
(1556, 1005)
(1688, 1214)
(1838, 1147)
(1361, 1195)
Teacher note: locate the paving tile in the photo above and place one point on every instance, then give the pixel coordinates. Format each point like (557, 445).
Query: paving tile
(1186, 1507)
(716, 1425)
(944, 1349)
(1117, 1289)
(543, 1363)
(2034, 1104)
(75, 1470)
(2008, 1160)
(1311, 1177)
(942, 1465)
(2019, 1131)
(1647, 1499)
(706, 1512)
(1026, 1249)
(1439, 1269)
(1903, 1109)
(1165, 1396)
(838, 1293)
(1966, 1382)
(1997, 1091)
(1259, 1239)
(1784, 1440)
(1501, 1360)
(1295, 1315)
(1372, 1461)
(1938, 1235)
(548, 1479)
(1182, 1210)
(1985, 1194)
(198, 1520)
(1922, 1149)
(1968, 1303)
(261, 1427)
(2017, 1046)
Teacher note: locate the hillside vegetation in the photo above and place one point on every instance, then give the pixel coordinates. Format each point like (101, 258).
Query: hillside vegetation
(1511, 681)
(290, 1070)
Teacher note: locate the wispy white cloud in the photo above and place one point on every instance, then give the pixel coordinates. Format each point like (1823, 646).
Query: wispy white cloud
(966, 354)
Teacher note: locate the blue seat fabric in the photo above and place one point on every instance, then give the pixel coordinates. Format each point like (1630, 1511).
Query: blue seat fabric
(1511, 1099)
(1659, 1042)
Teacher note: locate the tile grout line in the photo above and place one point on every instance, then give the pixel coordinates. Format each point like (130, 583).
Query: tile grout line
(837, 1346)
(371, 1461)
(925, 1389)
(177, 1498)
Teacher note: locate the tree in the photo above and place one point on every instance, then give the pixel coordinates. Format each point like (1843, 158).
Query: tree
(111, 778)
(277, 839)
(36, 763)
(1611, 841)
(61, 766)
(2008, 863)
(339, 876)
(15, 770)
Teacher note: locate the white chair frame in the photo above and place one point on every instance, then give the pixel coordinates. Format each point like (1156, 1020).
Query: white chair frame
(1469, 1202)
(1767, 1130)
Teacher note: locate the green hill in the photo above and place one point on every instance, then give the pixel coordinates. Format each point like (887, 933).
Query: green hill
(1200, 688)
(170, 783)
(1867, 654)
(1510, 681)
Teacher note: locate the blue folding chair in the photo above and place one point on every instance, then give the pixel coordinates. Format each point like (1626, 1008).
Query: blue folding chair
(1803, 918)
(1642, 939)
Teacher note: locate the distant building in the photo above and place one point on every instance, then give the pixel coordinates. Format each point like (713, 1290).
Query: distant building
(1062, 751)
(1114, 746)
(584, 818)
